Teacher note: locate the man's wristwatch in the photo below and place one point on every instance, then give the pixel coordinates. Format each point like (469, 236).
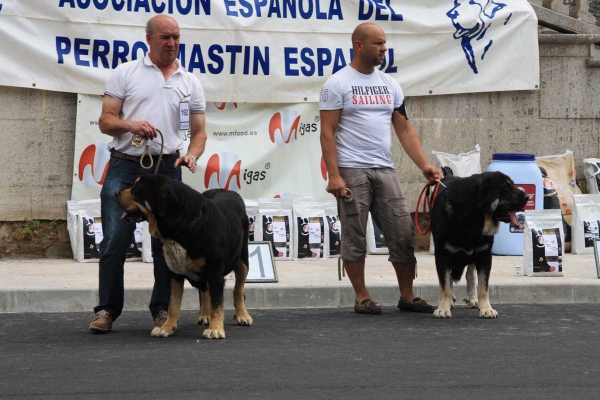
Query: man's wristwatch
(193, 158)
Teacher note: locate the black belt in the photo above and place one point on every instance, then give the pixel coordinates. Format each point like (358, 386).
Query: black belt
(123, 156)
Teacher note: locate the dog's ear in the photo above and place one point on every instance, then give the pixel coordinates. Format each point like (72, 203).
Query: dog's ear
(479, 192)
(165, 197)
(487, 192)
(447, 171)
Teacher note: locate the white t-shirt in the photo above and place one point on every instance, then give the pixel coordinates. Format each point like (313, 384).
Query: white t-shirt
(148, 97)
(364, 136)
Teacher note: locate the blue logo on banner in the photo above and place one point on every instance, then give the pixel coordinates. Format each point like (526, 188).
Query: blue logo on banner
(472, 18)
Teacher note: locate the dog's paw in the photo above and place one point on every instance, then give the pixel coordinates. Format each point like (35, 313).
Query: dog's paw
(164, 331)
(453, 299)
(471, 302)
(489, 313)
(213, 334)
(441, 313)
(245, 320)
(203, 320)
(155, 332)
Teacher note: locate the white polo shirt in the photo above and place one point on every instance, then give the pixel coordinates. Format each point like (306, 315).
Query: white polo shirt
(364, 133)
(148, 97)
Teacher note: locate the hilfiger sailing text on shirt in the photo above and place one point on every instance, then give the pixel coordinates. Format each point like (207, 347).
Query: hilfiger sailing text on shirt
(371, 95)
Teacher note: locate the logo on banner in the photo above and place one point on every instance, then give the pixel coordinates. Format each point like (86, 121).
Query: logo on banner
(221, 170)
(283, 127)
(471, 19)
(214, 107)
(93, 164)
(323, 169)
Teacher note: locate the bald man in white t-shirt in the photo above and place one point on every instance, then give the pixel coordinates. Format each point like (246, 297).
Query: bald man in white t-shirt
(358, 106)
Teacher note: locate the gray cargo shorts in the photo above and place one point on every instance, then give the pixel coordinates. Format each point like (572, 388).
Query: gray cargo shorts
(376, 190)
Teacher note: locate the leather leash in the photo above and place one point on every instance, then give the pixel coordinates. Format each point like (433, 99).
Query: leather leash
(426, 203)
(347, 198)
(136, 141)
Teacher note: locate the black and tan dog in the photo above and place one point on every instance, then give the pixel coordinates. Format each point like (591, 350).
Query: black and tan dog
(204, 236)
(465, 217)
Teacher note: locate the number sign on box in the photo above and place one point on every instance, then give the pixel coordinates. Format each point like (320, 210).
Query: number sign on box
(262, 265)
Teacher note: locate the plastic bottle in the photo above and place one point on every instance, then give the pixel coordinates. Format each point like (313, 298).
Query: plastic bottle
(526, 175)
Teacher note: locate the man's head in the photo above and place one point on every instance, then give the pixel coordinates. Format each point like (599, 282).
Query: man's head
(162, 35)
(368, 42)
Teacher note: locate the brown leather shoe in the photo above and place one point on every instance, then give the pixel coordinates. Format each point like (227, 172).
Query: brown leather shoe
(102, 322)
(160, 318)
(367, 306)
(417, 305)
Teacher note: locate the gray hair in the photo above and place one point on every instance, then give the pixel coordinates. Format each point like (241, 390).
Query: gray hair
(150, 27)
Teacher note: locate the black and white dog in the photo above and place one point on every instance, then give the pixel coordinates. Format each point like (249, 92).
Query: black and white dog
(465, 217)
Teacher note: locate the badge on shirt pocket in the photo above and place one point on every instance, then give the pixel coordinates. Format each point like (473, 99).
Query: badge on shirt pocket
(184, 115)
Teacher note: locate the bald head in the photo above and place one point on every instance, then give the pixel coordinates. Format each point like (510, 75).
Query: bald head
(365, 30)
(162, 35)
(368, 42)
(158, 21)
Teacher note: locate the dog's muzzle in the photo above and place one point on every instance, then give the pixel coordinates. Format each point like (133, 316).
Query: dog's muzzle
(135, 215)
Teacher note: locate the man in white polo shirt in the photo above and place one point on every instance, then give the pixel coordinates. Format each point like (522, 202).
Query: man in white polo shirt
(358, 106)
(141, 97)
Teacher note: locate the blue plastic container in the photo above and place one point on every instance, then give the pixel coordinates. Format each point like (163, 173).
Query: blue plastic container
(523, 170)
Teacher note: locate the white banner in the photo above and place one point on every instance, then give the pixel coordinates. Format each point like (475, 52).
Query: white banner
(265, 51)
(258, 150)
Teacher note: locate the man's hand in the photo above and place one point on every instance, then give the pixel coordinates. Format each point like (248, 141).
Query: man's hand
(336, 186)
(143, 129)
(110, 123)
(432, 173)
(187, 161)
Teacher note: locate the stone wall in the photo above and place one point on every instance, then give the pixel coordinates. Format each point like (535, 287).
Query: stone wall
(568, 16)
(590, 6)
(594, 8)
(37, 129)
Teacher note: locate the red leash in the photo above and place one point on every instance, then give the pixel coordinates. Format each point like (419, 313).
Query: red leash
(427, 203)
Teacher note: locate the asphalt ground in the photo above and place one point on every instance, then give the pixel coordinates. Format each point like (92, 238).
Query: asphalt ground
(530, 351)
